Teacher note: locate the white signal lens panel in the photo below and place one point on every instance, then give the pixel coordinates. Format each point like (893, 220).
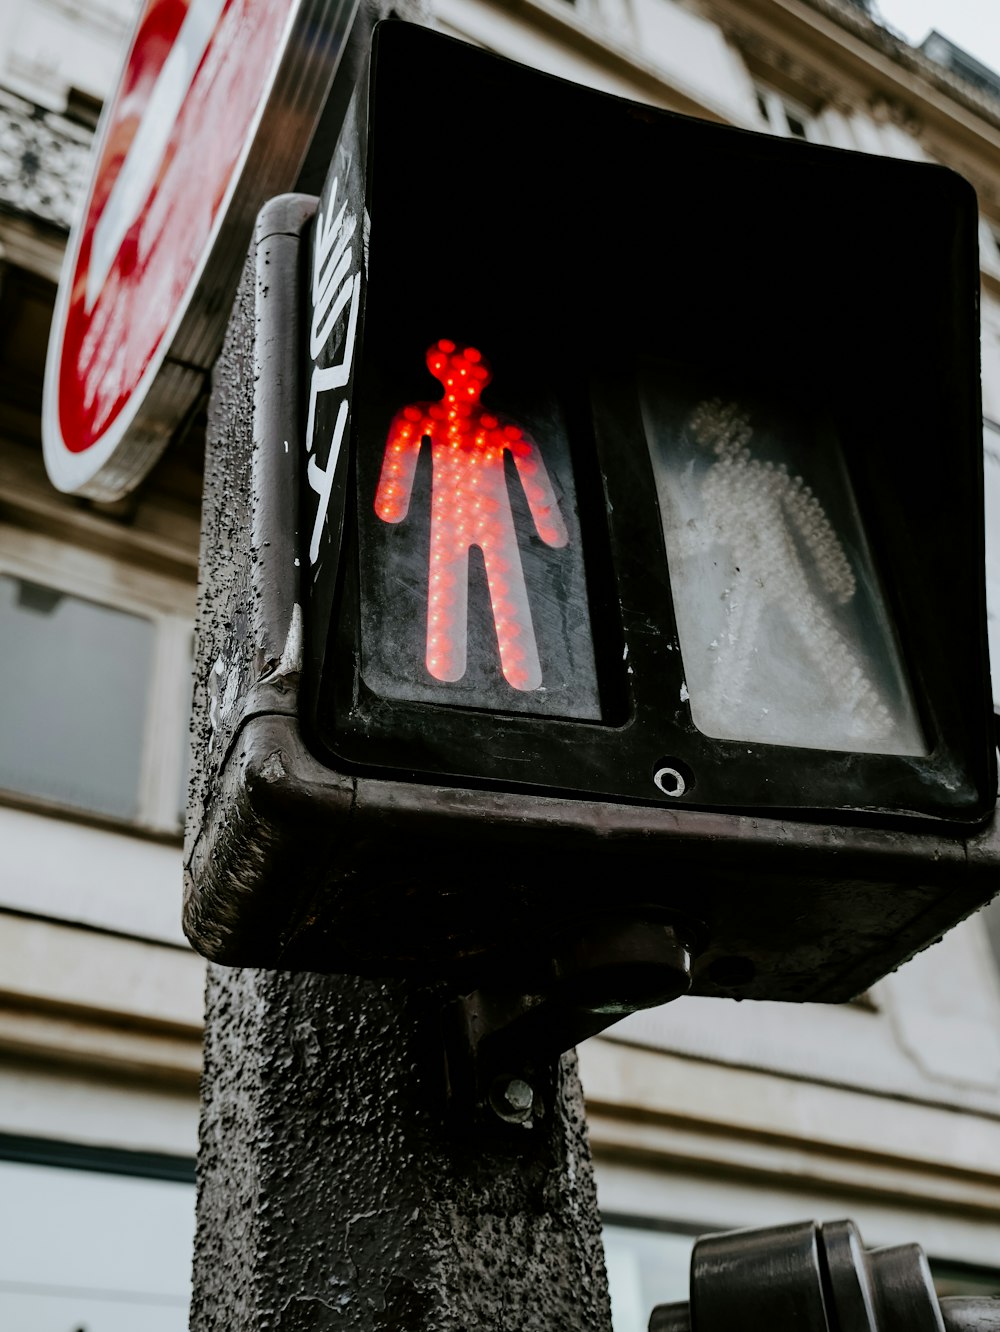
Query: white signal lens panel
(783, 627)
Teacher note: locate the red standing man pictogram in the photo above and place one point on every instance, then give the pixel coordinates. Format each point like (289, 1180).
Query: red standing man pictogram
(470, 506)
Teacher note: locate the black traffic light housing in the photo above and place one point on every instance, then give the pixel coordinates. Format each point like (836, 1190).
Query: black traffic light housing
(359, 803)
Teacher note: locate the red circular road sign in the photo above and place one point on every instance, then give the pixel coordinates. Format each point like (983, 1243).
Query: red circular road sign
(214, 111)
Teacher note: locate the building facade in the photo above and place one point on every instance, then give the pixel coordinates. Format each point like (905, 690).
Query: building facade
(703, 1115)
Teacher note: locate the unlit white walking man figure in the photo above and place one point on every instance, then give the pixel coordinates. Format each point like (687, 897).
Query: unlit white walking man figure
(772, 523)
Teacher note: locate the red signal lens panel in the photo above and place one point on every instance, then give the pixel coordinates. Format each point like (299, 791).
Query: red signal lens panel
(473, 584)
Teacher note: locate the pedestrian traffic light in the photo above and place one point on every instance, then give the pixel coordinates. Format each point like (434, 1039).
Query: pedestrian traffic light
(593, 525)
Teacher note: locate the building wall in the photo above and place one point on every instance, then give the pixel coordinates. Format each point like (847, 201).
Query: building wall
(703, 1114)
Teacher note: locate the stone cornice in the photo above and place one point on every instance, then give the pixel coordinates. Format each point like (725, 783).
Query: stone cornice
(833, 50)
(884, 39)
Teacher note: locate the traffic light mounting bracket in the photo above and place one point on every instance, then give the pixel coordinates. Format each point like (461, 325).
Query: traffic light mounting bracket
(501, 1042)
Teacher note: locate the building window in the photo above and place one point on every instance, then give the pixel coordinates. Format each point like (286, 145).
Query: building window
(94, 685)
(647, 1265)
(73, 709)
(98, 1244)
(944, 52)
(782, 115)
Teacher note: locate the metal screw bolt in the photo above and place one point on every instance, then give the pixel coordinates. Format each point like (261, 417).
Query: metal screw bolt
(512, 1099)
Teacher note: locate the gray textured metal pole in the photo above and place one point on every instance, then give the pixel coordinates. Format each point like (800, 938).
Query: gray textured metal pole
(336, 1188)
(335, 1193)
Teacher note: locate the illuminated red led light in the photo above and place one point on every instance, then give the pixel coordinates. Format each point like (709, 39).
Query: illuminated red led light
(470, 506)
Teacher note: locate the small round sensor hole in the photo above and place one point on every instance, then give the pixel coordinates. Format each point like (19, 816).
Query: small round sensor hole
(672, 778)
